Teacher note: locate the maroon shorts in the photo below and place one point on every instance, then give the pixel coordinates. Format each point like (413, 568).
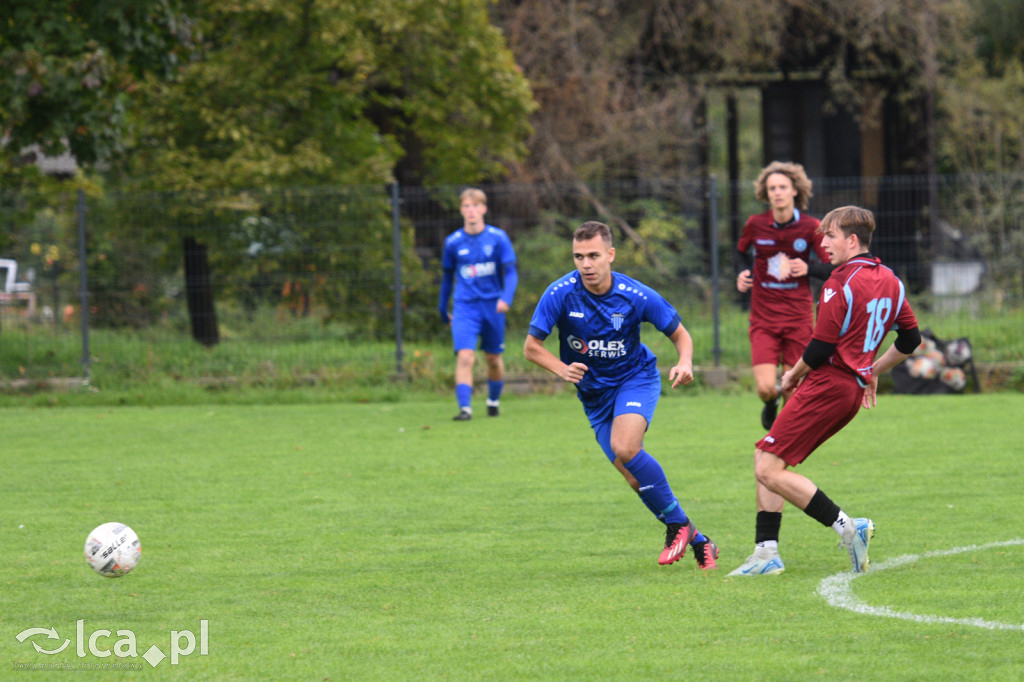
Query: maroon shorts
(826, 401)
(768, 345)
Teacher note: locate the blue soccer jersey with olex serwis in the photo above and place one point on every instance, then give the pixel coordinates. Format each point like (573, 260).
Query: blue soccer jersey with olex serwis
(602, 332)
(478, 261)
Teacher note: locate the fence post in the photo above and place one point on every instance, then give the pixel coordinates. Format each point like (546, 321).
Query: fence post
(715, 290)
(396, 238)
(83, 286)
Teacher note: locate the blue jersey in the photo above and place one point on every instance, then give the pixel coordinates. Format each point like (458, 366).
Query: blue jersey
(479, 262)
(603, 332)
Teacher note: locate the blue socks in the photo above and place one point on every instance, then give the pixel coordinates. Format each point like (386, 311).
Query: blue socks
(463, 392)
(494, 390)
(654, 488)
(656, 493)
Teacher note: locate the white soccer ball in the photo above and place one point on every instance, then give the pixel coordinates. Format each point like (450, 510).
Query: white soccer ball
(953, 377)
(927, 346)
(923, 367)
(958, 352)
(112, 549)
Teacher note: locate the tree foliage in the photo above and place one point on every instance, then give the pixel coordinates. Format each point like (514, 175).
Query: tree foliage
(70, 70)
(334, 91)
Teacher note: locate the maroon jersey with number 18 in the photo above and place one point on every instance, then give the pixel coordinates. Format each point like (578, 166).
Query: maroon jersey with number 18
(859, 304)
(780, 301)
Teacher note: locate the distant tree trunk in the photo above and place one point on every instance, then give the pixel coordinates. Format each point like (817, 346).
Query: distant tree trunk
(199, 292)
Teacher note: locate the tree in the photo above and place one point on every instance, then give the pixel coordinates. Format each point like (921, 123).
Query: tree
(70, 70)
(334, 91)
(327, 92)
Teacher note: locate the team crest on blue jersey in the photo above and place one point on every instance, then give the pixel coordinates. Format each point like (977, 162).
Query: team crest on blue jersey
(800, 244)
(488, 250)
(617, 319)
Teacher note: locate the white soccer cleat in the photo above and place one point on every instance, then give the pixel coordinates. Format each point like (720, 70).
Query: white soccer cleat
(761, 562)
(857, 544)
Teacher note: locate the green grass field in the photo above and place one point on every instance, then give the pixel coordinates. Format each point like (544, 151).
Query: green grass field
(385, 542)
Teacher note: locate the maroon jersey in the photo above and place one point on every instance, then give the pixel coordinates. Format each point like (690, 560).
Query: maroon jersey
(774, 300)
(859, 304)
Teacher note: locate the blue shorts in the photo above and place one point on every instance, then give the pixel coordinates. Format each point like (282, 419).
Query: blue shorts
(637, 395)
(478, 319)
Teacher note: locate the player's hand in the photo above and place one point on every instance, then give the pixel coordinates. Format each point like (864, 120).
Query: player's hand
(744, 281)
(502, 307)
(445, 318)
(681, 374)
(870, 397)
(789, 382)
(574, 373)
(797, 267)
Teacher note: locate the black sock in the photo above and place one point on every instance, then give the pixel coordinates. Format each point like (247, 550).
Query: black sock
(822, 509)
(767, 527)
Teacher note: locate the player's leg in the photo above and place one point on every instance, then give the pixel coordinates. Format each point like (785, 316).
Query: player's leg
(794, 341)
(765, 350)
(823, 404)
(465, 330)
(495, 382)
(765, 560)
(634, 408)
(464, 361)
(768, 390)
(802, 493)
(769, 520)
(492, 341)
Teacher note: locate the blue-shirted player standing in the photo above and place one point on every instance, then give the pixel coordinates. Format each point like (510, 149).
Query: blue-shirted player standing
(598, 314)
(480, 265)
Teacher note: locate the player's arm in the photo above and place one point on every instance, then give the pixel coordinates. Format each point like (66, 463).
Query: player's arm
(509, 292)
(815, 355)
(447, 284)
(743, 260)
(817, 264)
(536, 353)
(682, 372)
(906, 341)
(820, 270)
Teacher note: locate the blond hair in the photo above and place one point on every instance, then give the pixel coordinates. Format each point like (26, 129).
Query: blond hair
(474, 195)
(796, 174)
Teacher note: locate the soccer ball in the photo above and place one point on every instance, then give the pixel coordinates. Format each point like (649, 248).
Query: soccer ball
(958, 352)
(953, 377)
(927, 346)
(112, 549)
(923, 367)
(936, 356)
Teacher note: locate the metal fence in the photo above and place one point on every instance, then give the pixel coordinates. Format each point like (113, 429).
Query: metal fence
(361, 264)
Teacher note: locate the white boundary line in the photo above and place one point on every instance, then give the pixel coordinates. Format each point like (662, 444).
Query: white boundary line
(837, 590)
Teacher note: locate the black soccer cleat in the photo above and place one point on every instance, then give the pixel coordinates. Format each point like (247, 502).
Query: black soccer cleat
(706, 554)
(463, 416)
(492, 410)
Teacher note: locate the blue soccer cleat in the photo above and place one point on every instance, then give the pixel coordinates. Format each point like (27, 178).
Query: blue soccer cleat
(857, 544)
(762, 562)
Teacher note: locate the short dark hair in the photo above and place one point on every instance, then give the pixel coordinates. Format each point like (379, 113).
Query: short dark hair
(591, 229)
(851, 220)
